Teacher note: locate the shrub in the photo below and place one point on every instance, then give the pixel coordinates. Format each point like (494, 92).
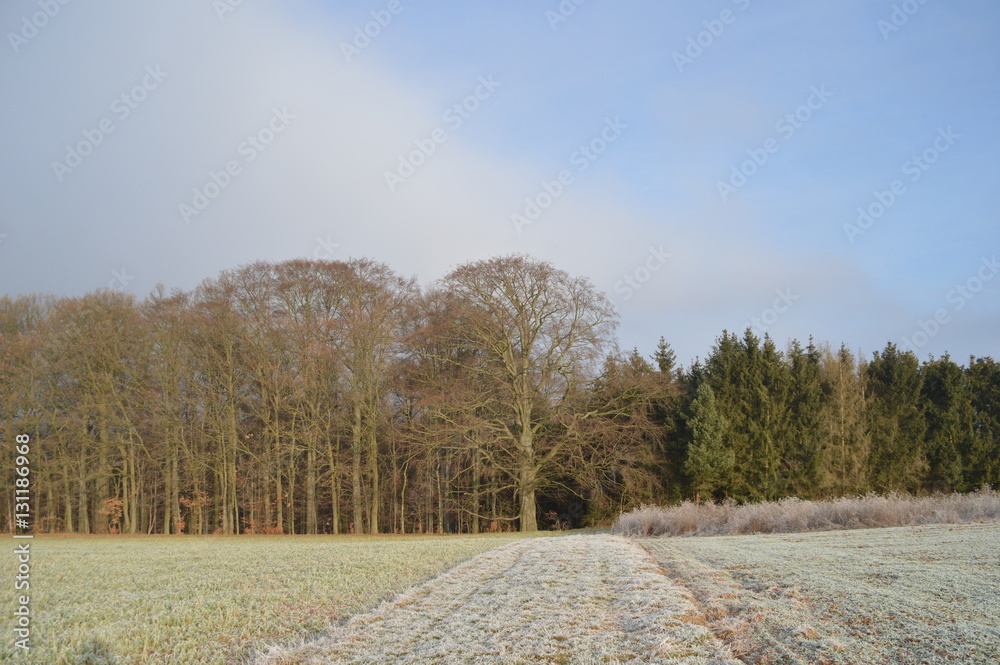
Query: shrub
(793, 515)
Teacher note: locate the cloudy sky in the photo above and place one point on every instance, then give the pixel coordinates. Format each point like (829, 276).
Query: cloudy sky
(821, 168)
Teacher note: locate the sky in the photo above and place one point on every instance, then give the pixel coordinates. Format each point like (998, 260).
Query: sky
(824, 169)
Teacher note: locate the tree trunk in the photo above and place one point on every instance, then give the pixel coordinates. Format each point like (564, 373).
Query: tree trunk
(527, 475)
(50, 505)
(334, 483)
(167, 512)
(268, 509)
(84, 502)
(311, 517)
(526, 489)
(373, 473)
(233, 506)
(291, 486)
(474, 523)
(68, 523)
(279, 489)
(357, 512)
(440, 494)
(175, 493)
(402, 502)
(103, 474)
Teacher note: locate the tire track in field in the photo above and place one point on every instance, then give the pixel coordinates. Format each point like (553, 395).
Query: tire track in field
(572, 599)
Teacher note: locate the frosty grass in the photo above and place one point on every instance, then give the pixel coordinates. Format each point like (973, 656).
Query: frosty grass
(923, 594)
(576, 599)
(894, 596)
(210, 600)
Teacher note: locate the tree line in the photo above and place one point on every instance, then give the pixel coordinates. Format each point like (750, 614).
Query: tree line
(340, 397)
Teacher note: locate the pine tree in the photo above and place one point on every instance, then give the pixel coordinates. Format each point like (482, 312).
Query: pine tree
(983, 464)
(803, 441)
(708, 462)
(896, 421)
(846, 444)
(664, 357)
(947, 407)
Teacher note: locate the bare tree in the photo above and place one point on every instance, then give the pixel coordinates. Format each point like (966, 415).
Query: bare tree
(542, 335)
(373, 321)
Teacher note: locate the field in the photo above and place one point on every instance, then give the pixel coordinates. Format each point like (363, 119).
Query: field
(211, 600)
(926, 594)
(577, 599)
(919, 594)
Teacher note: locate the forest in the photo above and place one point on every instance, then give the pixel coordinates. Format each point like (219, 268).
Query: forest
(341, 397)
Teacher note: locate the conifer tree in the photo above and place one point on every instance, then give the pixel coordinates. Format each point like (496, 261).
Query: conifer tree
(708, 462)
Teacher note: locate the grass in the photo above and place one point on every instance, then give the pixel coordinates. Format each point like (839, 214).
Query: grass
(579, 600)
(914, 594)
(907, 595)
(794, 515)
(211, 600)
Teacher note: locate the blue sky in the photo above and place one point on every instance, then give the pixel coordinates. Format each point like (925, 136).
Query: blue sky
(291, 122)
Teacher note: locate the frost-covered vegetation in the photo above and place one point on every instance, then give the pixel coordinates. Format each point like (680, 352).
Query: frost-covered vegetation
(204, 601)
(896, 596)
(574, 599)
(793, 515)
(900, 596)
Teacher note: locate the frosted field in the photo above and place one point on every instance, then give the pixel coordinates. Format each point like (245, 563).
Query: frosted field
(910, 595)
(576, 599)
(206, 600)
(907, 595)
(925, 594)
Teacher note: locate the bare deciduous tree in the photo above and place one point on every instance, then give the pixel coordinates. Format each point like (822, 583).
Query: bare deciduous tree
(542, 335)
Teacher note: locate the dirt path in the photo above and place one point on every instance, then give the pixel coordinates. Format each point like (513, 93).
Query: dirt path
(575, 599)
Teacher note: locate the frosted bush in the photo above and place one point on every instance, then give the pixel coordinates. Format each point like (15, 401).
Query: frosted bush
(794, 515)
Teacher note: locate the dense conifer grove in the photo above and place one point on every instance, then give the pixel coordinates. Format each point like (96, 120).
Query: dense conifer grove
(340, 397)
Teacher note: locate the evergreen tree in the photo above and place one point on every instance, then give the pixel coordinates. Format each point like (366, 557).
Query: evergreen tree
(725, 371)
(664, 357)
(896, 421)
(947, 407)
(666, 411)
(806, 400)
(983, 464)
(708, 462)
(846, 444)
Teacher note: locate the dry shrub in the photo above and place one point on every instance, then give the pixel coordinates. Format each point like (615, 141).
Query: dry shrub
(795, 515)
